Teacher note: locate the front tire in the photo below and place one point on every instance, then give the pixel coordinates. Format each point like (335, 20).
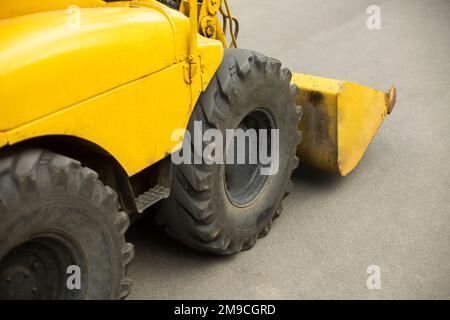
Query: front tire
(54, 215)
(223, 208)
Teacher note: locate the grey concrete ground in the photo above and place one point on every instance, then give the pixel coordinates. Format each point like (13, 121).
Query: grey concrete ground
(393, 211)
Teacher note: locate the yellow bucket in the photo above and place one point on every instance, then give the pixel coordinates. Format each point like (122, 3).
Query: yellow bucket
(339, 121)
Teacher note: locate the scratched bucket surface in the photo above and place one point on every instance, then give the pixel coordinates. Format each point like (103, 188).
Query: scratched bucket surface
(339, 121)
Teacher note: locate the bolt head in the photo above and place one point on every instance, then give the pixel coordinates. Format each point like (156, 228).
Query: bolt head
(35, 265)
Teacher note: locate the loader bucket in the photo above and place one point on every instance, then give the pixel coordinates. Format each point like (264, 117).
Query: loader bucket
(339, 121)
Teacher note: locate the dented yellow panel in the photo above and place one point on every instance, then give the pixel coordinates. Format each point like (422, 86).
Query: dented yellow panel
(339, 122)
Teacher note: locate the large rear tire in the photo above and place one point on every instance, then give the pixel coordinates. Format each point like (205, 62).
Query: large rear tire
(59, 222)
(222, 208)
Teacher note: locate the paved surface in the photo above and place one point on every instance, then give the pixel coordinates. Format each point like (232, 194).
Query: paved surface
(393, 211)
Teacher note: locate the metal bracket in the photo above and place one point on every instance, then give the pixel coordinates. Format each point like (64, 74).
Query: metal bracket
(190, 70)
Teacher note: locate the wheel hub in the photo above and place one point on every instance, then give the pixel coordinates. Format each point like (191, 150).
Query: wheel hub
(35, 269)
(244, 182)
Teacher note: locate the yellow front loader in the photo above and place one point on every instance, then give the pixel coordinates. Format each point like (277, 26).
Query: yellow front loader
(110, 107)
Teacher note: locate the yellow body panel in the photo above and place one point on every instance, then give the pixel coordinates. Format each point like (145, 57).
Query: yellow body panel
(133, 123)
(340, 120)
(15, 8)
(119, 80)
(57, 65)
(3, 140)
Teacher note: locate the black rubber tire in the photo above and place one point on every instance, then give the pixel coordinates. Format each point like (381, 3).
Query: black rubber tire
(46, 198)
(199, 211)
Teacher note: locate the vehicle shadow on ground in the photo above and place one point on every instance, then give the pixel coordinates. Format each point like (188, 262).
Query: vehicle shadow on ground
(146, 235)
(162, 261)
(315, 179)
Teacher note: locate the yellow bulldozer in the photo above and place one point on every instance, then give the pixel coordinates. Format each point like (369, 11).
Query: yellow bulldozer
(92, 97)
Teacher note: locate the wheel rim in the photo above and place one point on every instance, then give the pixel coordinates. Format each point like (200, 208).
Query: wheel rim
(37, 269)
(244, 182)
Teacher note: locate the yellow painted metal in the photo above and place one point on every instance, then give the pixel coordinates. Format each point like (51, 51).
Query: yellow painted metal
(193, 24)
(46, 65)
(3, 140)
(340, 120)
(234, 23)
(133, 123)
(208, 22)
(14, 8)
(117, 79)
